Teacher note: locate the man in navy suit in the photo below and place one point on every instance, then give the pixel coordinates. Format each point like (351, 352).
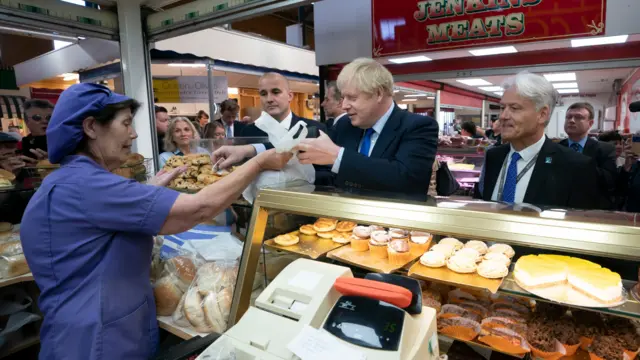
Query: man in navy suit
(332, 105)
(275, 97)
(229, 113)
(382, 148)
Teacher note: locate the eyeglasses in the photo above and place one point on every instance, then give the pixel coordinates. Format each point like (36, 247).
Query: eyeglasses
(40, 118)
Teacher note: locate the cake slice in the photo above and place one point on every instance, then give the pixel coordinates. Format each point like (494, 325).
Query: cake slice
(600, 284)
(532, 271)
(570, 261)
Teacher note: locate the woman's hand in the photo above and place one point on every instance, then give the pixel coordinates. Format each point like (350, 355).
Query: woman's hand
(271, 160)
(164, 177)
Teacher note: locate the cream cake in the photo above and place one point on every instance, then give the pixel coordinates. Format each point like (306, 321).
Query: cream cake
(600, 284)
(533, 272)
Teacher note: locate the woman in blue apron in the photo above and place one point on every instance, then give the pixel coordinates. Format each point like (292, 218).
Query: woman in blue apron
(87, 233)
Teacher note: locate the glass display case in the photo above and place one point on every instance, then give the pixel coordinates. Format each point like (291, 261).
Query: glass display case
(608, 237)
(465, 164)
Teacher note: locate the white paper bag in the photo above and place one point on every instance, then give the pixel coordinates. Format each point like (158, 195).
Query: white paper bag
(283, 140)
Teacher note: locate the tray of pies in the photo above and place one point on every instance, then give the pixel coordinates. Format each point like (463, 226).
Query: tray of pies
(570, 280)
(471, 264)
(375, 249)
(314, 240)
(198, 175)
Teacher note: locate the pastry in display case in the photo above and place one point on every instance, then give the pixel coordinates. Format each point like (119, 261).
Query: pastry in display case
(481, 264)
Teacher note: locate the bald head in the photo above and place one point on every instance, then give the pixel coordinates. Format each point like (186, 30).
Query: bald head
(275, 95)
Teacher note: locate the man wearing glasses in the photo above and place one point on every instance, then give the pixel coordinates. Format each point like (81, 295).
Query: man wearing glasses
(37, 113)
(578, 121)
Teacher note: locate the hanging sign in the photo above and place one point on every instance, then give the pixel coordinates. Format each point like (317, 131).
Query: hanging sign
(189, 89)
(406, 27)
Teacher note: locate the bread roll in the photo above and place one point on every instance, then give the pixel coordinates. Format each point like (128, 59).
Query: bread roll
(184, 269)
(178, 315)
(5, 226)
(193, 311)
(214, 314)
(167, 295)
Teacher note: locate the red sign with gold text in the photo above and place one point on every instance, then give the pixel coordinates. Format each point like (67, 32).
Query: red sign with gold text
(408, 26)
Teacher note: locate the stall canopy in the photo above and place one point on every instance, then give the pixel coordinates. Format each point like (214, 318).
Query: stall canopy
(169, 56)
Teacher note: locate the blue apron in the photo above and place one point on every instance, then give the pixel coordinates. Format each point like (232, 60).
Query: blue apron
(87, 236)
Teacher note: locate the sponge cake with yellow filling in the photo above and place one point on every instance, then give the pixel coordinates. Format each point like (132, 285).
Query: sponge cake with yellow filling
(600, 284)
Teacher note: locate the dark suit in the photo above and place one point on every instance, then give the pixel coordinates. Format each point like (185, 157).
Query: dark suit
(313, 126)
(401, 159)
(561, 177)
(605, 157)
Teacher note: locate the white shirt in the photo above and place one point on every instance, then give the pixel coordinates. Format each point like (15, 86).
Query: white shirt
(527, 154)
(335, 120)
(286, 122)
(377, 129)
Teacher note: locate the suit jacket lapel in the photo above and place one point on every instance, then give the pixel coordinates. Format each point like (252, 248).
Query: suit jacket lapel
(387, 134)
(492, 171)
(535, 189)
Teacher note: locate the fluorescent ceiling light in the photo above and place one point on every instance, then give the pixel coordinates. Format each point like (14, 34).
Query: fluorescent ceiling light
(395, 91)
(568, 91)
(474, 82)
(431, 97)
(415, 95)
(494, 51)
(499, 93)
(567, 85)
(187, 65)
(409, 59)
(490, 88)
(232, 91)
(405, 100)
(594, 41)
(561, 77)
(402, 106)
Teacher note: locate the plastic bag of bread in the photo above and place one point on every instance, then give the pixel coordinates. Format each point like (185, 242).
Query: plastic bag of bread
(183, 268)
(11, 248)
(216, 276)
(167, 294)
(178, 315)
(11, 266)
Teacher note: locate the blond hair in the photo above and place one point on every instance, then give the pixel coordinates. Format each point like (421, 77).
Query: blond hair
(368, 76)
(169, 143)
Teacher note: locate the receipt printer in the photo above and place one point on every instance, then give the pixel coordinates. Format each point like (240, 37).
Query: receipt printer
(346, 315)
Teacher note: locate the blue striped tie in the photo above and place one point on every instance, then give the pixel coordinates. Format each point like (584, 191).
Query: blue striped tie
(509, 192)
(577, 147)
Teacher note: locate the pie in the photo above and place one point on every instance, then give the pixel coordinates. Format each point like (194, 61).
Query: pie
(346, 226)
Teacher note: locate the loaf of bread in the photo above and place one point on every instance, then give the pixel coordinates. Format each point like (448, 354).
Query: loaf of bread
(178, 315)
(11, 266)
(214, 276)
(167, 295)
(183, 268)
(216, 309)
(194, 312)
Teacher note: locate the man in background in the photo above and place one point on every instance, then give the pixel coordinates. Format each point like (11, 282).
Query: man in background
(578, 121)
(332, 105)
(229, 110)
(494, 132)
(469, 129)
(531, 168)
(275, 97)
(37, 114)
(382, 147)
(162, 122)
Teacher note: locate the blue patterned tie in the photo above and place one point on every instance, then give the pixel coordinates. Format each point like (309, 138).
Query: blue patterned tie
(229, 131)
(509, 191)
(366, 142)
(577, 147)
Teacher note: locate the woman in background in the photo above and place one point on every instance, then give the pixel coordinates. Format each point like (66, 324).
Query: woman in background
(215, 131)
(177, 140)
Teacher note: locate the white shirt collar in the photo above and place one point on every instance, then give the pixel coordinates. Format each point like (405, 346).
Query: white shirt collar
(287, 121)
(530, 151)
(335, 120)
(379, 125)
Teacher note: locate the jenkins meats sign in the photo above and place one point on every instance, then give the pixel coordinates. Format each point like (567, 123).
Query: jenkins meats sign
(410, 26)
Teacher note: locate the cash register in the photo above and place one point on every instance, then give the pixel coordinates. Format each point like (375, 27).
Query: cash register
(376, 320)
